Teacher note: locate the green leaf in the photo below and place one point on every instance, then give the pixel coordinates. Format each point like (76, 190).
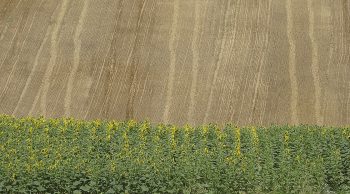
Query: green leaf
(92, 183)
(85, 188)
(41, 188)
(143, 178)
(76, 192)
(76, 183)
(205, 185)
(110, 191)
(144, 188)
(36, 183)
(84, 179)
(8, 187)
(119, 187)
(171, 191)
(187, 191)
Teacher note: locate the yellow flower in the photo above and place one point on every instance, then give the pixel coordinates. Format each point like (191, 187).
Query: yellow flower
(205, 130)
(131, 124)
(28, 167)
(173, 141)
(113, 166)
(110, 126)
(62, 129)
(229, 160)
(97, 123)
(206, 151)
(187, 128)
(53, 167)
(45, 151)
(238, 140)
(219, 133)
(126, 141)
(255, 137)
(286, 137)
(337, 153)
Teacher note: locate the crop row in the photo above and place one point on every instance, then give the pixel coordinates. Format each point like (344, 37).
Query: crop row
(71, 156)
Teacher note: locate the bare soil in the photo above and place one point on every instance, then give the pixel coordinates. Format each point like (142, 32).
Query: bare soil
(247, 62)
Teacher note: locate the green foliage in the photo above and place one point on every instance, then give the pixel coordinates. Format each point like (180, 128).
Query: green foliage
(70, 156)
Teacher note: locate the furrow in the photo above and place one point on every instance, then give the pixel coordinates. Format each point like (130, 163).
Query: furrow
(172, 49)
(53, 55)
(77, 48)
(292, 64)
(195, 53)
(315, 63)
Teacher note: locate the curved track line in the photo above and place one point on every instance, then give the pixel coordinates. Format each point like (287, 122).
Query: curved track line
(234, 56)
(133, 89)
(35, 102)
(13, 38)
(53, 55)
(250, 44)
(315, 64)
(77, 48)
(129, 113)
(118, 15)
(292, 64)
(113, 72)
(231, 54)
(172, 49)
(267, 41)
(149, 28)
(9, 78)
(195, 54)
(34, 69)
(216, 72)
(261, 64)
(19, 2)
(3, 32)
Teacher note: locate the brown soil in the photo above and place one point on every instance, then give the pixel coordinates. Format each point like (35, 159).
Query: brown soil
(250, 62)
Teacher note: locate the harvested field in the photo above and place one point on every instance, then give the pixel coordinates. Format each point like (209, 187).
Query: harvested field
(177, 61)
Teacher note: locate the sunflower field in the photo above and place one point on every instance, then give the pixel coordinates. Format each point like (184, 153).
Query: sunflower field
(39, 155)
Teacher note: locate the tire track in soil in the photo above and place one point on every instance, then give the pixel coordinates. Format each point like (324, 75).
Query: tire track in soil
(53, 55)
(76, 61)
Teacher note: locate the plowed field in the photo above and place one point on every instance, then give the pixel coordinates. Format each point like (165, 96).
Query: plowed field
(250, 62)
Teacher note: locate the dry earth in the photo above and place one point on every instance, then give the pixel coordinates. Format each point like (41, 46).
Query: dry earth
(179, 61)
